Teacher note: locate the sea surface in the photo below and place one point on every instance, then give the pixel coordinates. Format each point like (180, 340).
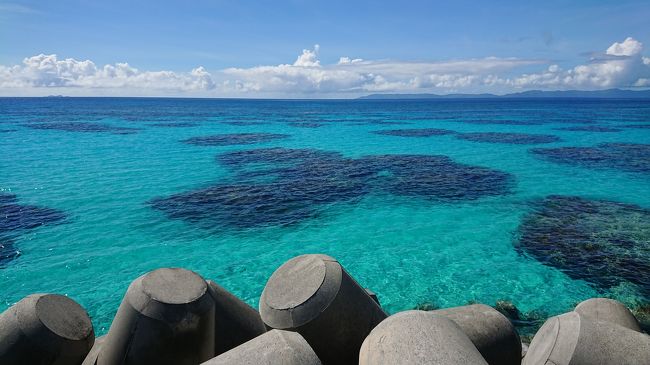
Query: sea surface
(430, 203)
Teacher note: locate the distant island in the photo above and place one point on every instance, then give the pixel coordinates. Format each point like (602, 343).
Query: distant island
(603, 94)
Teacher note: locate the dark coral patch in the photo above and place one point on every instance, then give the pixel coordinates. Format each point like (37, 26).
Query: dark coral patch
(603, 242)
(434, 177)
(84, 127)
(15, 219)
(275, 156)
(14, 216)
(174, 125)
(380, 122)
(623, 156)
(637, 126)
(280, 186)
(8, 250)
(423, 132)
(589, 128)
(6, 199)
(508, 138)
(234, 139)
(498, 122)
(306, 124)
(243, 123)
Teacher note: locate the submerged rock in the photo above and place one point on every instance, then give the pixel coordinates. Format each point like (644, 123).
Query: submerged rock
(279, 186)
(642, 314)
(83, 127)
(623, 156)
(426, 306)
(508, 309)
(509, 138)
(602, 242)
(234, 139)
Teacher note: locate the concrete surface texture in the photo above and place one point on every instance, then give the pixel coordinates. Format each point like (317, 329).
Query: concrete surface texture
(166, 317)
(490, 331)
(314, 296)
(418, 337)
(235, 321)
(276, 347)
(608, 310)
(45, 329)
(573, 339)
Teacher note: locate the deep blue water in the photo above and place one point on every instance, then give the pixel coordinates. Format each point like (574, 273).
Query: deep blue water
(541, 202)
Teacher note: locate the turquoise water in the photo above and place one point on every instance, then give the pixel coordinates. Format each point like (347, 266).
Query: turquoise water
(408, 249)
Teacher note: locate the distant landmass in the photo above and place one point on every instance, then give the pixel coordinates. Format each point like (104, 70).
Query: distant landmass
(608, 94)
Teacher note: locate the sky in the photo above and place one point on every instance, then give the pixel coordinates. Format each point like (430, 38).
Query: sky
(320, 49)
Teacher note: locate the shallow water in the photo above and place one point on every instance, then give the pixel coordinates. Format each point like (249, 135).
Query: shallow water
(385, 227)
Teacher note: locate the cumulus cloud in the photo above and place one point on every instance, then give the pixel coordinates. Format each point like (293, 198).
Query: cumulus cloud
(348, 75)
(620, 65)
(629, 47)
(308, 58)
(48, 71)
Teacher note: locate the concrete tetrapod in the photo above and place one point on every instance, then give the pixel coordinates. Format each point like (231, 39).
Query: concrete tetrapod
(574, 339)
(373, 295)
(490, 331)
(45, 329)
(166, 317)
(418, 337)
(275, 347)
(91, 358)
(314, 296)
(235, 321)
(608, 310)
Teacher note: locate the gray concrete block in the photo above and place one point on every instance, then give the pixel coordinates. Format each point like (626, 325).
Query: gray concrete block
(490, 331)
(373, 295)
(45, 329)
(275, 347)
(91, 358)
(235, 321)
(608, 310)
(418, 337)
(314, 296)
(166, 317)
(573, 339)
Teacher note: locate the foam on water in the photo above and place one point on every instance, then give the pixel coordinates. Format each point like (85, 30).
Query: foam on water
(407, 248)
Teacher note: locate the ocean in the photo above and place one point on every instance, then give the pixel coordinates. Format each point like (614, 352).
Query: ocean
(429, 203)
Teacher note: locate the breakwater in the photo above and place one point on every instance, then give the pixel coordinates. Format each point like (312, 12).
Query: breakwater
(311, 312)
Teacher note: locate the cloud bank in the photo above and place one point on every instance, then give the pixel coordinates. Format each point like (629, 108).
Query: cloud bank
(622, 65)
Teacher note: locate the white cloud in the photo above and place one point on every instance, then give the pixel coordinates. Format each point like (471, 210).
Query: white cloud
(629, 47)
(47, 71)
(308, 58)
(349, 75)
(621, 65)
(348, 61)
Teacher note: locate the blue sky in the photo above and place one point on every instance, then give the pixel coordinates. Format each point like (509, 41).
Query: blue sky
(238, 47)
